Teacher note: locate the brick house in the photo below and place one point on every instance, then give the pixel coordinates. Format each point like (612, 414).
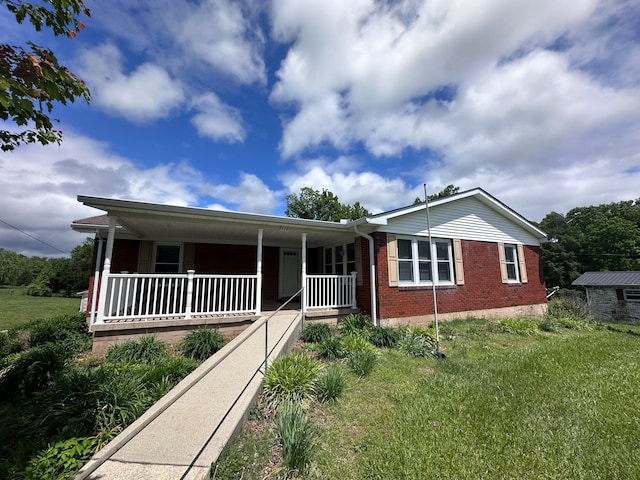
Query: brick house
(186, 266)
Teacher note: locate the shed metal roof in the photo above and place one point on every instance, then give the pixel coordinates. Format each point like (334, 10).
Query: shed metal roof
(622, 279)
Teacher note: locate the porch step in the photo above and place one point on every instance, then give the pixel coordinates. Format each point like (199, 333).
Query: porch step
(180, 436)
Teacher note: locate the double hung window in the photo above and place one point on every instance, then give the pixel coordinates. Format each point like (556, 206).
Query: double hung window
(415, 258)
(167, 258)
(511, 262)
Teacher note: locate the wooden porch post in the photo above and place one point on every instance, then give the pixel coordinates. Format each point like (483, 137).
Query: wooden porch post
(96, 282)
(303, 297)
(354, 300)
(104, 283)
(188, 306)
(259, 274)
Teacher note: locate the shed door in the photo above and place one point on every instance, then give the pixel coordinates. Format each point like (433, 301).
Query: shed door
(290, 272)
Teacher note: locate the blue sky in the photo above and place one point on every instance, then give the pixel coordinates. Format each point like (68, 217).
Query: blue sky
(234, 105)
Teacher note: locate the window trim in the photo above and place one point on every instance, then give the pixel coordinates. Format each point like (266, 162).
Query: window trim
(334, 257)
(515, 262)
(415, 261)
(167, 244)
(631, 294)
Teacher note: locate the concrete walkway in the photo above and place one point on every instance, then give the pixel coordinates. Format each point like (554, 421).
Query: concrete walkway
(182, 434)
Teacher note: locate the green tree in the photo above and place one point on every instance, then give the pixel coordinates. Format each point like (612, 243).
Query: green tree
(65, 276)
(32, 79)
(594, 238)
(321, 205)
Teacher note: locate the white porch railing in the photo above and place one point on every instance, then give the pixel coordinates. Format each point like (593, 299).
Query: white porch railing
(144, 296)
(330, 291)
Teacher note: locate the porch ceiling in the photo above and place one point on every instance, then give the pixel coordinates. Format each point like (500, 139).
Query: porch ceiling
(150, 221)
(221, 232)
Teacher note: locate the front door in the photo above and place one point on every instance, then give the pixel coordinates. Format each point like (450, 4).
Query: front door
(290, 272)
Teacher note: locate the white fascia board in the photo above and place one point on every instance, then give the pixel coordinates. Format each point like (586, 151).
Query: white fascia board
(124, 207)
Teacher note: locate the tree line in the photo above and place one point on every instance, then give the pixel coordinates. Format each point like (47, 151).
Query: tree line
(48, 276)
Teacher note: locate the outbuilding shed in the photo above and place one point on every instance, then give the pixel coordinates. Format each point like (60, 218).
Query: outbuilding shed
(612, 296)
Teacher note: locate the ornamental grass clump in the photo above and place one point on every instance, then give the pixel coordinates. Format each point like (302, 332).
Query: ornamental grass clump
(355, 323)
(416, 342)
(202, 343)
(292, 377)
(361, 362)
(383, 337)
(330, 385)
(35, 369)
(518, 326)
(296, 435)
(356, 343)
(146, 349)
(331, 349)
(316, 333)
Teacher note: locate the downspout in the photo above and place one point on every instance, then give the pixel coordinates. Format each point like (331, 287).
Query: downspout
(372, 282)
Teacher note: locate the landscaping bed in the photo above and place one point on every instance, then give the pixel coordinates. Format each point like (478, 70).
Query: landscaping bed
(59, 404)
(551, 397)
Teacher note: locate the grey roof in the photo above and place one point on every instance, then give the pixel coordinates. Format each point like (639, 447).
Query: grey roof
(621, 279)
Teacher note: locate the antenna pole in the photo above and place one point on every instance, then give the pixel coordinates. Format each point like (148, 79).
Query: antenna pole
(434, 262)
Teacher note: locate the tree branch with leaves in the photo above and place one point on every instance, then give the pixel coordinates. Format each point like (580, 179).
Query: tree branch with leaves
(32, 79)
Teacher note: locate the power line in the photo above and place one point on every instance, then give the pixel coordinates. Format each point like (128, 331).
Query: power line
(35, 238)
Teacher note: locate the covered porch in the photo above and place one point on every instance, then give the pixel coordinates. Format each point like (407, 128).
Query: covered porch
(169, 266)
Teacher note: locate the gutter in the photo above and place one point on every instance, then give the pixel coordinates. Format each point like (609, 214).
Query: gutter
(372, 281)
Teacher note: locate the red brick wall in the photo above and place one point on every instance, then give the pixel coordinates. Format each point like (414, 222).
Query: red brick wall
(483, 288)
(125, 256)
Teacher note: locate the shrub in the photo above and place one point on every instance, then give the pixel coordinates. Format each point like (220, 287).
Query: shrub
(384, 336)
(202, 343)
(291, 377)
(57, 329)
(330, 385)
(568, 305)
(519, 326)
(172, 368)
(72, 403)
(123, 395)
(416, 342)
(296, 436)
(61, 460)
(355, 323)
(35, 369)
(316, 333)
(146, 349)
(361, 362)
(549, 324)
(356, 343)
(330, 349)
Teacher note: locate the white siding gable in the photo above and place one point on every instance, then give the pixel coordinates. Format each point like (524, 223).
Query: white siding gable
(467, 219)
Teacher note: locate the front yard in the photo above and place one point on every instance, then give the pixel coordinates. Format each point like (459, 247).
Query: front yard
(509, 401)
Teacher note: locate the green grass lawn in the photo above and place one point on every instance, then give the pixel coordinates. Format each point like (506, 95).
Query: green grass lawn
(545, 406)
(17, 308)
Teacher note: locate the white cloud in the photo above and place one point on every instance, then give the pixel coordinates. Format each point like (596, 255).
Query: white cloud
(217, 120)
(499, 95)
(39, 186)
(250, 195)
(219, 34)
(145, 94)
(193, 39)
(372, 190)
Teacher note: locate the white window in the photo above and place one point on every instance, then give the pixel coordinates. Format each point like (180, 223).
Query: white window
(340, 259)
(511, 262)
(414, 261)
(632, 295)
(167, 258)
